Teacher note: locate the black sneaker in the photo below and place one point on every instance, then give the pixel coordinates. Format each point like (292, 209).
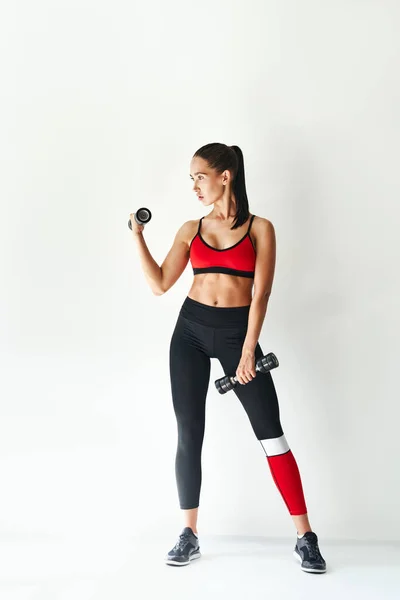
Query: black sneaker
(307, 552)
(186, 549)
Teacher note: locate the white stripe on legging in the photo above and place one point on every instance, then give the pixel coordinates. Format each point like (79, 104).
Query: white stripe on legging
(274, 446)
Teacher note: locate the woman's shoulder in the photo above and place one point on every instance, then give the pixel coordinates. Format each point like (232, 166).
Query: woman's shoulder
(188, 230)
(262, 224)
(262, 229)
(187, 226)
(259, 218)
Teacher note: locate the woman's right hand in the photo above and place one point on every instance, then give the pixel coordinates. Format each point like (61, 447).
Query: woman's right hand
(136, 228)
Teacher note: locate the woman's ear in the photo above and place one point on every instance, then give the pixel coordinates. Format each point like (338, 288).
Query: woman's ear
(226, 177)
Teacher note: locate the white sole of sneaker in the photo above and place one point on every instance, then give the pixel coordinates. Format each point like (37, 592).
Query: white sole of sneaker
(182, 564)
(305, 568)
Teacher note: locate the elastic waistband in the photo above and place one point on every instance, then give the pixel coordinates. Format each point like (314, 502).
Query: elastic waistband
(215, 316)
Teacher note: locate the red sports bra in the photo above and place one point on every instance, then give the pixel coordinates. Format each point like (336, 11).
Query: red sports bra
(239, 259)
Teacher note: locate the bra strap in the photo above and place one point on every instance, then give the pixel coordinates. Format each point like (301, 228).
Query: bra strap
(251, 221)
(198, 230)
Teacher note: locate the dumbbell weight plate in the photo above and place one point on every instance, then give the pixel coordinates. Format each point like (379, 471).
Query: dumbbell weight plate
(142, 216)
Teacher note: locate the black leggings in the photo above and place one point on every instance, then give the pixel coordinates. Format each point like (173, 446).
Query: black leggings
(203, 332)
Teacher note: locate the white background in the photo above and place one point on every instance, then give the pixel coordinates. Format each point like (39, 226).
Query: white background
(103, 105)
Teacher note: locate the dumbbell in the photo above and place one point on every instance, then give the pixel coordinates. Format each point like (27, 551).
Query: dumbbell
(263, 365)
(142, 216)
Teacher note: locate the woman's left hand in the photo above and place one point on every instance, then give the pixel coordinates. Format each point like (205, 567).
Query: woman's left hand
(246, 370)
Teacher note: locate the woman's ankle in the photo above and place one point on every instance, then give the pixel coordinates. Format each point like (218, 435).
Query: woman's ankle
(194, 529)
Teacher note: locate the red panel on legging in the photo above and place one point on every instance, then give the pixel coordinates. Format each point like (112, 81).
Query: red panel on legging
(287, 479)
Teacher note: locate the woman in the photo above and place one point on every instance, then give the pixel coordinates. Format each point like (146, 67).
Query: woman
(233, 257)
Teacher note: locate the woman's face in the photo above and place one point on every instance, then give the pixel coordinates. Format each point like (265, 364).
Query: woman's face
(208, 186)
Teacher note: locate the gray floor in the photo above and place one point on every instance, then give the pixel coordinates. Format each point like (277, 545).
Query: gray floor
(234, 568)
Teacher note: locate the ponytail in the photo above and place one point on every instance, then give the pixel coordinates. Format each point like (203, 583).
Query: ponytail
(239, 189)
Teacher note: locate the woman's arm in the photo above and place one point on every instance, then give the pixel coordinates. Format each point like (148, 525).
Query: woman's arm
(263, 278)
(162, 278)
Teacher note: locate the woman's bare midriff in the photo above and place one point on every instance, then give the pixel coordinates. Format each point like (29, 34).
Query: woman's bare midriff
(219, 289)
